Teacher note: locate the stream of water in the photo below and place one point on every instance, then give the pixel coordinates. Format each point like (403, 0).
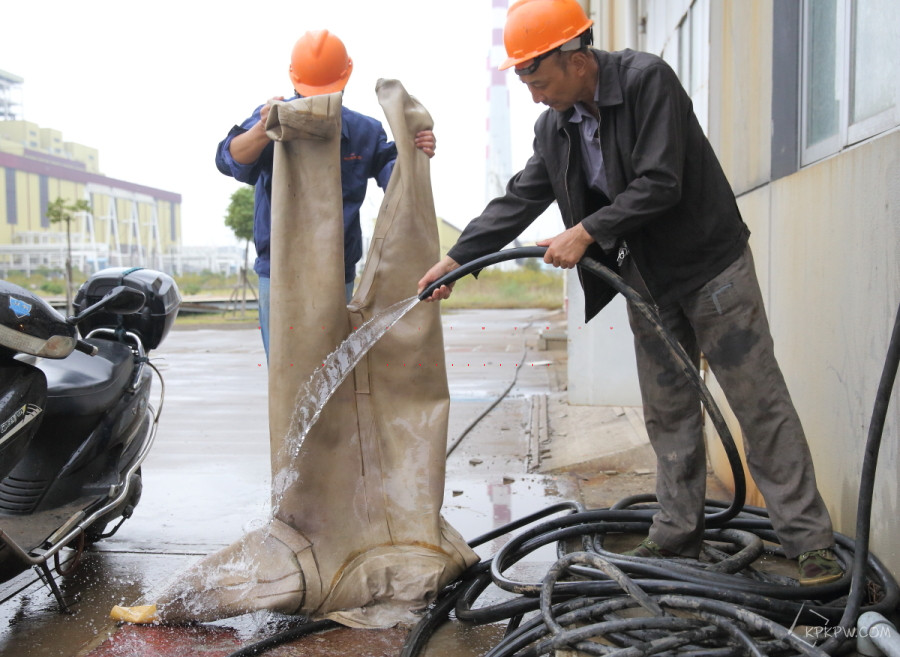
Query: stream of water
(315, 393)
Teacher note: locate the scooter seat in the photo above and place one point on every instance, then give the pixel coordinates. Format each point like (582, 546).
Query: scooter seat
(83, 385)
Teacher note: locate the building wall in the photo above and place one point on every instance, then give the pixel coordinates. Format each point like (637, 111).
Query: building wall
(25, 133)
(448, 234)
(740, 72)
(826, 243)
(606, 340)
(739, 127)
(826, 240)
(129, 224)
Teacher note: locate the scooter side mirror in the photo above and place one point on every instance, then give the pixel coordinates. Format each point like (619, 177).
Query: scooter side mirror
(124, 300)
(120, 300)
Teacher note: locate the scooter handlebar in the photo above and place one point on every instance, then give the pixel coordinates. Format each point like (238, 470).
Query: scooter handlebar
(86, 347)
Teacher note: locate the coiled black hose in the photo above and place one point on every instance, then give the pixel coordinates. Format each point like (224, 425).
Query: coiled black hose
(738, 610)
(733, 609)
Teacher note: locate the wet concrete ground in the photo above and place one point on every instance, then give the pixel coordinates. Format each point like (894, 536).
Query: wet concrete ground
(207, 481)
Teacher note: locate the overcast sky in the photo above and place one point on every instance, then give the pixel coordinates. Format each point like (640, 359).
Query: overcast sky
(154, 86)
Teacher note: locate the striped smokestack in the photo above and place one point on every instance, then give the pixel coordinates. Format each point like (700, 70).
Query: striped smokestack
(499, 164)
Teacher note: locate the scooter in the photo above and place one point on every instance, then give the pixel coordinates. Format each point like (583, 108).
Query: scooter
(76, 415)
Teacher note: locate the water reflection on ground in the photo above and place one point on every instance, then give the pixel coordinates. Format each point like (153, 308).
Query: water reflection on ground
(208, 477)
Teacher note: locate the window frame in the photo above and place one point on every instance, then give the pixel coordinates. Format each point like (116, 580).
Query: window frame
(848, 133)
(688, 55)
(877, 123)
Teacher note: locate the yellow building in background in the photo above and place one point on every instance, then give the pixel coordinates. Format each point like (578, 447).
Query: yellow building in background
(448, 234)
(129, 224)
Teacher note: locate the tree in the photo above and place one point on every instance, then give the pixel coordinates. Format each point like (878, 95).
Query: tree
(59, 211)
(239, 218)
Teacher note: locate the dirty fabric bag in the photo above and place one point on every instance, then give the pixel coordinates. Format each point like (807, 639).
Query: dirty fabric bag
(356, 533)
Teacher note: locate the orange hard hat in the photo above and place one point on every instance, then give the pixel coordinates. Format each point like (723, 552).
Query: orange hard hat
(536, 27)
(319, 64)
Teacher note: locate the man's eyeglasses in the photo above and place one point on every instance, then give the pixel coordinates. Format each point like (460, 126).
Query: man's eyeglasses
(527, 68)
(583, 40)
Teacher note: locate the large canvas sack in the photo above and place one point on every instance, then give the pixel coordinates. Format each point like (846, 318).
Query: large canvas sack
(356, 534)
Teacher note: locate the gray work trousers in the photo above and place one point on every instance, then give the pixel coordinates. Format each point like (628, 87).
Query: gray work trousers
(727, 321)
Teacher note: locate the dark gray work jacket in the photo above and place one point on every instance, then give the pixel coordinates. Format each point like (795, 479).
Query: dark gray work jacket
(668, 196)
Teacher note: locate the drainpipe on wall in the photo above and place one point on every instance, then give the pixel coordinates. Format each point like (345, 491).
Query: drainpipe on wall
(876, 636)
(631, 25)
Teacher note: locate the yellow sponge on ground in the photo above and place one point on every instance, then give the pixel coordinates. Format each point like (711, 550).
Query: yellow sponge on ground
(141, 615)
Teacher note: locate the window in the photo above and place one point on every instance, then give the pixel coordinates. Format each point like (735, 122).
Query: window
(687, 53)
(691, 46)
(44, 197)
(12, 216)
(850, 78)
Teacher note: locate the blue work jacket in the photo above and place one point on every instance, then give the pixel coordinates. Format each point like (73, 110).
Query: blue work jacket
(365, 153)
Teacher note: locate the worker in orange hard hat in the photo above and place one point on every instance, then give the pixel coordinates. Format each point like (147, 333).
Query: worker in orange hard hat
(319, 65)
(536, 30)
(639, 187)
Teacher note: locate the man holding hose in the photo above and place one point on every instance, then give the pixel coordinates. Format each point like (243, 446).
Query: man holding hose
(639, 188)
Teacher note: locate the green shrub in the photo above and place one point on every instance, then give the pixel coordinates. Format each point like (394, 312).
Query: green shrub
(53, 287)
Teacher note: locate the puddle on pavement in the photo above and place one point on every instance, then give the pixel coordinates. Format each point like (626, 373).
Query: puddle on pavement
(475, 506)
(456, 639)
(31, 624)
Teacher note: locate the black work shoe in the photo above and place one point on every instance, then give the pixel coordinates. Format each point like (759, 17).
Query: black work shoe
(819, 567)
(650, 549)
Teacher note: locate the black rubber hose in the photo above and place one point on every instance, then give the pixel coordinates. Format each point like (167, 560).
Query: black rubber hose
(580, 611)
(867, 486)
(433, 617)
(283, 637)
(690, 371)
(779, 606)
(676, 350)
(665, 572)
(559, 507)
(570, 612)
(773, 600)
(782, 604)
(738, 602)
(719, 614)
(480, 263)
